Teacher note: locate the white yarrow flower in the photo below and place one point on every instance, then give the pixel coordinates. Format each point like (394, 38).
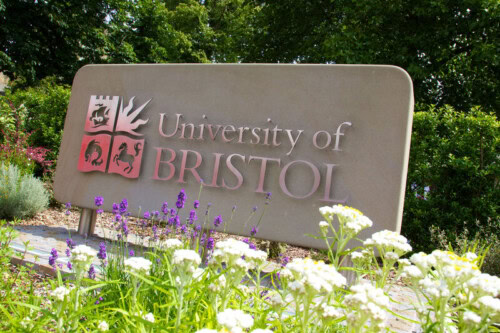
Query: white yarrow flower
(82, 256)
(103, 326)
(138, 265)
(387, 241)
(60, 293)
(234, 321)
(149, 317)
(186, 260)
(172, 244)
(471, 318)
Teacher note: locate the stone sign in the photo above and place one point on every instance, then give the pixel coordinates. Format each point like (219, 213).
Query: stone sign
(312, 135)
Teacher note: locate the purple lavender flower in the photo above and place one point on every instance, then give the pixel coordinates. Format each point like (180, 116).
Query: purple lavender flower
(217, 221)
(155, 230)
(197, 228)
(52, 261)
(131, 253)
(71, 243)
(164, 208)
(68, 252)
(68, 207)
(173, 212)
(250, 244)
(254, 209)
(208, 208)
(98, 200)
(268, 195)
(234, 208)
(116, 208)
(125, 227)
(210, 243)
(98, 301)
(53, 257)
(254, 231)
(156, 213)
(285, 261)
(147, 215)
(69, 265)
(183, 228)
(196, 204)
(181, 199)
(177, 220)
(118, 217)
(102, 251)
(192, 216)
(92, 272)
(123, 206)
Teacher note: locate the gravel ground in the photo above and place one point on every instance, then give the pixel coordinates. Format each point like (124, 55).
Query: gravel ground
(56, 217)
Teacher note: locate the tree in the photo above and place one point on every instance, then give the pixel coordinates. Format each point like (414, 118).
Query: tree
(450, 48)
(50, 37)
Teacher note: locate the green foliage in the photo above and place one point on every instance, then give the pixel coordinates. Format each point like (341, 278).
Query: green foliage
(449, 48)
(62, 36)
(20, 195)
(45, 107)
(453, 175)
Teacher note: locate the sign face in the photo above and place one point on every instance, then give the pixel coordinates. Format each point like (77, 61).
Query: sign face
(312, 135)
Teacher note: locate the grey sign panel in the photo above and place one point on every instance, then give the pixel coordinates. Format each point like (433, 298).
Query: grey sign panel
(312, 135)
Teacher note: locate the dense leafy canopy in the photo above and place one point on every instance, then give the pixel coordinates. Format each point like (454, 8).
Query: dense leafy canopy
(450, 48)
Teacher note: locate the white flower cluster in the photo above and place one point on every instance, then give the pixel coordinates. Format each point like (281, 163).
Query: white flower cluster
(206, 330)
(138, 265)
(148, 316)
(491, 306)
(171, 244)
(235, 321)
(328, 312)
(60, 293)
(387, 241)
(103, 326)
(232, 252)
(361, 258)
(218, 284)
(365, 304)
(307, 275)
(351, 219)
(186, 261)
(484, 285)
(452, 268)
(83, 255)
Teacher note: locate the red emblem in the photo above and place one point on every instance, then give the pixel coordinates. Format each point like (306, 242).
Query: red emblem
(108, 114)
(94, 153)
(101, 114)
(126, 156)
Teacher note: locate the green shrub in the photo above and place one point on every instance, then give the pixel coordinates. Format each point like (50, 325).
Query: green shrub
(453, 176)
(20, 195)
(46, 106)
